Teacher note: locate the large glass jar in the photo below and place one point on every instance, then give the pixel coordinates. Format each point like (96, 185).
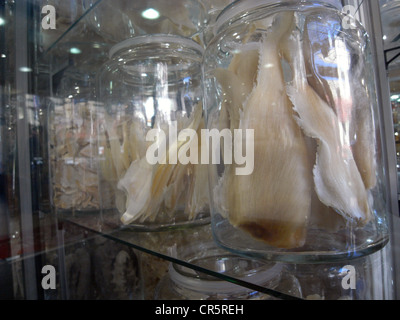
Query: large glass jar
(299, 175)
(152, 94)
(74, 119)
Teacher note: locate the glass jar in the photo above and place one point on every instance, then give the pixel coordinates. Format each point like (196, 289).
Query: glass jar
(74, 157)
(74, 121)
(182, 283)
(73, 148)
(151, 90)
(299, 174)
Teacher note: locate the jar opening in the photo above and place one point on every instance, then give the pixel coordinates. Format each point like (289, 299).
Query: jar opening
(156, 38)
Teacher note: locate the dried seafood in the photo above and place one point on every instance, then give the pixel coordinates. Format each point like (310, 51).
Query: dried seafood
(74, 157)
(326, 61)
(277, 208)
(338, 182)
(155, 192)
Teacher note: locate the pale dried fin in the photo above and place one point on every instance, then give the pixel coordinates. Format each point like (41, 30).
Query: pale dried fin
(176, 190)
(273, 203)
(321, 216)
(337, 180)
(163, 171)
(198, 194)
(148, 186)
(325, 78)
(364, 148)
(234, 94)
(137, 185)
(245, 65)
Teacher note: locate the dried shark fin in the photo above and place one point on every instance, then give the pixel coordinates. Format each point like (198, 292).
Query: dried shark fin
(237, 82)
(364, 151)
(276, 209)
(147, 186)
(137, 185)
(245, 65)
(164, 170)
(176, 191)
(321, 216)
(198, 193)
(324, 77)
(234, 93)
(338, 182)
(364, 148)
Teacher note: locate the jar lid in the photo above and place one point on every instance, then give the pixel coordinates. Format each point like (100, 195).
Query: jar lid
(156, 38)
(240, 6)
(193, 282)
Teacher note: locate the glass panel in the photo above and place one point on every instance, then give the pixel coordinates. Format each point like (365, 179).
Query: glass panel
(390, 10)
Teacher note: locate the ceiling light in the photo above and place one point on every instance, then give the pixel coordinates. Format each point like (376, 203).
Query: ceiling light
(150, 14)
(25, 69)
(75, 50)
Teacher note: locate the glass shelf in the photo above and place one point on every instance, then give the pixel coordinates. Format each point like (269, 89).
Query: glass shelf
(175, 246)
(295, 282)
(171, 245)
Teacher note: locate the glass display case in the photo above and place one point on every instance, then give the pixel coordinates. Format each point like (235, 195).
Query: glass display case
(61, 234)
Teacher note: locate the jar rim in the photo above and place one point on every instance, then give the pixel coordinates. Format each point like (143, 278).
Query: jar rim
(155, 38)
(239, 6)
